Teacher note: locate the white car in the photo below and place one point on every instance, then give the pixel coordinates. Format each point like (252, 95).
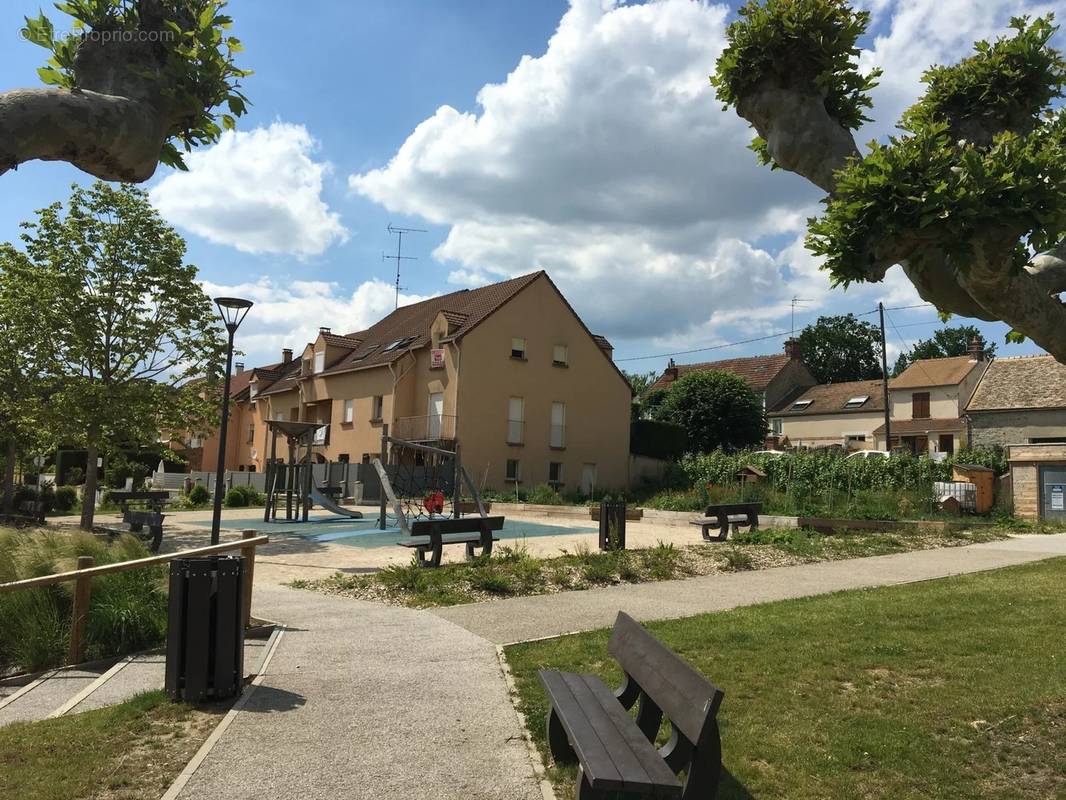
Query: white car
(868, 454)
(768, 453)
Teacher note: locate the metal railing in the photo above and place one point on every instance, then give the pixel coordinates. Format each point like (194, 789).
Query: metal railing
(83, 575)
(427, 428)
(516, 431)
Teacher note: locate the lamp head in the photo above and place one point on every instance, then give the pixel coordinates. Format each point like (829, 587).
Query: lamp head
(233, 311)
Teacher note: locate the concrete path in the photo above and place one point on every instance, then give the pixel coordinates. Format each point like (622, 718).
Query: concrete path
(522, 618)
(366, 701)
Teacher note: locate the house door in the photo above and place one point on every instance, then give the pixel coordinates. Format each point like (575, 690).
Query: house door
(436, 411)
(588, 479)
(947, 443)
(1053, 493)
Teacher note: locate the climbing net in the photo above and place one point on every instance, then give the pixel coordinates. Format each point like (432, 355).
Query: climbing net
(422, 480)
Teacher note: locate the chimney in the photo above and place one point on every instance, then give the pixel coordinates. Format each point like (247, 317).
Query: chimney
(976, 350)
(323, 330)
(671, 371)
(238, 368)
(793, 349)
(286, 355)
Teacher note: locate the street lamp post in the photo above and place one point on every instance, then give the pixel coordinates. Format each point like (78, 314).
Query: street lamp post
(233, 311)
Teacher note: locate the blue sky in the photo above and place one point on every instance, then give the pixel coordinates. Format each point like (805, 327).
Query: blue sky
(599, 154)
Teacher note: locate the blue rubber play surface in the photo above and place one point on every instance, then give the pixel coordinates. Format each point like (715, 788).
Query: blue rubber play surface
(366, 533)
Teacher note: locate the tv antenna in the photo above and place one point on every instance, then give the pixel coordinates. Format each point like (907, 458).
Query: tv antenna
(399, 254)
(797, 301)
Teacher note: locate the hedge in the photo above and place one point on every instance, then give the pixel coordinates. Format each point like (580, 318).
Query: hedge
(657, 439)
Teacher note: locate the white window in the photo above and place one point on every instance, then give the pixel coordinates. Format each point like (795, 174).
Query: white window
(775, 426)
(251, 432)
(377, 407)
(800, 405)
(560, 355)
(280, 416)
(253, 389)
(196, 441)
(320, 360)
(518, 348)
(348, 411)
(516, 415)
(857, 402)
(514, 469)
(558, 429)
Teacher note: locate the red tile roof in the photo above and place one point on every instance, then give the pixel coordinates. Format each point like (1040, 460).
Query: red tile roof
(934, 372)
(830, 398)
(757, 371)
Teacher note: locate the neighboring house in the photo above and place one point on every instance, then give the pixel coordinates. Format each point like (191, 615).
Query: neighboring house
(831, 414)
(509, 372)
(1019, 401)
(774, 378)
(927, 402)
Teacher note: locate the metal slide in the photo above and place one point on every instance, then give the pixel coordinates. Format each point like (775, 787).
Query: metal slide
(327, 503)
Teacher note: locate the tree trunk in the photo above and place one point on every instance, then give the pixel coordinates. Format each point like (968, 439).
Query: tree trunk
(9, 477)
(88, 500)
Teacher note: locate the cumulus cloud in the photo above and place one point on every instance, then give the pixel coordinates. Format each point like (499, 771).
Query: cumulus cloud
(259, 191)
(608, 162)
(290, 314)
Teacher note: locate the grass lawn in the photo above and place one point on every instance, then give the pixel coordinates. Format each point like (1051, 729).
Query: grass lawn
(130, 751)
(953, 688)
(512, 570)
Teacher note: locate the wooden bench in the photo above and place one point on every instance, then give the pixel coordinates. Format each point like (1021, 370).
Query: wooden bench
(591, 725)
(135, 522)
(722, 515)
(150, 499)
(430, 535)
(32, 510)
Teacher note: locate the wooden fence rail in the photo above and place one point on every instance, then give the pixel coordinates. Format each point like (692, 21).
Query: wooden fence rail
(83, 575)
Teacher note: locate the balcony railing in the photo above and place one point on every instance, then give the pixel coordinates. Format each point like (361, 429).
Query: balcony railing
(516, 430)
(428, 428)
(558, 436)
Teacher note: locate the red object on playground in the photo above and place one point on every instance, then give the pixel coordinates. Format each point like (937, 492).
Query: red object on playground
(434, 502)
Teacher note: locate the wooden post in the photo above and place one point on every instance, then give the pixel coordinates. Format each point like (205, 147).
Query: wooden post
(80, 613)
(249, 575)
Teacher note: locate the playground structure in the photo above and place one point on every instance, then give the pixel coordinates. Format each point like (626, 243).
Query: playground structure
(424, 486)
(292, 478)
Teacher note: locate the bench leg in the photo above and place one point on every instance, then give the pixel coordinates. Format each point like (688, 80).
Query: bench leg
(583, 789)
(157, 538)
(558, 743)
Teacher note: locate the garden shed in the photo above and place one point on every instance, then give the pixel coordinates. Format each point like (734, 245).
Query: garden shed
(983, 479)
(1038, 479)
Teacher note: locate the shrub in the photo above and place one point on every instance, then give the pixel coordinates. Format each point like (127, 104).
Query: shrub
(544, 494)
(198, 495)
(736, 560)
(235, 498)
(654, 439)
(661, 561)
(489, 579)
(252, 496)
(66, 498)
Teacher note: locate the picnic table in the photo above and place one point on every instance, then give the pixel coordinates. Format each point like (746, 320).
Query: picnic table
(722, 515)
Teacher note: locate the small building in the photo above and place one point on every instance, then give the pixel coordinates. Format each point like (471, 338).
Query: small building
(1038, 481)
(774, 378)
(832, 414)
(1019, 400)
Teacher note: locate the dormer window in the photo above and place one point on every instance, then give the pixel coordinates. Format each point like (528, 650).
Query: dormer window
(857, 402)
(253, 389)
(518, 348)
(801, 405)
(320, 360)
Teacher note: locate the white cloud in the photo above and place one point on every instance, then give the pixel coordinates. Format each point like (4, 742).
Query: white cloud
(608, 162)
(259, 191)
(289, 314)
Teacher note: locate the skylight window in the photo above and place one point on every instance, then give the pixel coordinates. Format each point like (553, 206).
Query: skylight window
(399, 343)
(857, 402)
(800, 405)
(368, 352)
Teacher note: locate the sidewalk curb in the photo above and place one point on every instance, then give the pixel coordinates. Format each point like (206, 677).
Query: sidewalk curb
(546, 790)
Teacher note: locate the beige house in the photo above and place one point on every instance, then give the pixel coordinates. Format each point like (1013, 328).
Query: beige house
(775, 378)
(509, 372)
(1019, 401)
(830, 415)
(928, 400)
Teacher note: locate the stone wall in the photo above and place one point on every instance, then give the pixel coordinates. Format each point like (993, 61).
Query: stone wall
(1016, 427)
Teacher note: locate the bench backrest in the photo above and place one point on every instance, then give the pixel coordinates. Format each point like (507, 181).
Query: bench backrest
(422, 527)
(31, 506)
(140, 495)
(732, 508)
(688, 699)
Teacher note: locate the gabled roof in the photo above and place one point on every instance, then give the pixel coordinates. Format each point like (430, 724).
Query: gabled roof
(831, 398)
(935, 372)
(348, 340)
(1022, 382)
(757, 371)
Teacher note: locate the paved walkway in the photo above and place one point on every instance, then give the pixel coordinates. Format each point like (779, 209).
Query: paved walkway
(519, 619)
(366, 701)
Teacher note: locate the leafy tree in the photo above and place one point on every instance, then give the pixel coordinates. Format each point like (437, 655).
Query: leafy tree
(640, 381)
(946, 342)
(134, 328)
(134, 84)
(843, 348)
(717, 410)
(961, 198)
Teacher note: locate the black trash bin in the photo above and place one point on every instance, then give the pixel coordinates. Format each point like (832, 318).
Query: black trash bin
(612, 525)
(205, 637)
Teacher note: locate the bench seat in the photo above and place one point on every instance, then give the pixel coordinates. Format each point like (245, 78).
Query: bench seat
(614, 754)
(447, 538)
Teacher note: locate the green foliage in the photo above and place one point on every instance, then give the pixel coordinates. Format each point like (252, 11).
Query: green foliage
(797, 43)
(544, 494)
(66, 497)
(736, 560)
(716, 409)
(994, 457)
(127, 612)
(946, 342)
(198, 495)
(654, 439)
(189, 60)
(842, 348)
(242, 496)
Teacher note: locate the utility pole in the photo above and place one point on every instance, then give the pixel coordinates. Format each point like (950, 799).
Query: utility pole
(884, 379)
(399, 254)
